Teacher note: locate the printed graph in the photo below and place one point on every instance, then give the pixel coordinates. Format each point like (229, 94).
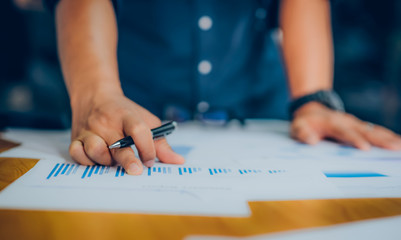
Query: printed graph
(63, 169)
(159, 170)
(219, 171)
(353, 174)
(88, 172)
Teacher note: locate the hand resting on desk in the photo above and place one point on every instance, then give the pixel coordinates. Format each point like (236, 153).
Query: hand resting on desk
(314, 122)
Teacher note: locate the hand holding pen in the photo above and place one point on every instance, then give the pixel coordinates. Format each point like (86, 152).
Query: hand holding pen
(157, 133)
(102, 119)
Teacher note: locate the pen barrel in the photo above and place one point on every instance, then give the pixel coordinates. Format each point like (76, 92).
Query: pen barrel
(127, 141)
(158, 132)
(163, 130)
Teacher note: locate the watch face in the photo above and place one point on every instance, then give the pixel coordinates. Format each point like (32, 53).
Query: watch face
(335, 101)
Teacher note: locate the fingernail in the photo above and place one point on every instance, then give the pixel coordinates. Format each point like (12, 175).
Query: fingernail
(312, 139)
(149, 163)
(365, 146)
(133, 169)
(396, 145)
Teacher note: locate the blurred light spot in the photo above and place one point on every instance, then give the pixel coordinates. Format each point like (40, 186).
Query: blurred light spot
(205, 23)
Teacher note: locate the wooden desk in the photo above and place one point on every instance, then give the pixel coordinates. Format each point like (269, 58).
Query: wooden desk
(267, 217)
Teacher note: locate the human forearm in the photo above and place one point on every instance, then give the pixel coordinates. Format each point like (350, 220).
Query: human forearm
(87, 40)
(308, 54)
(307, 45)
(101, 114)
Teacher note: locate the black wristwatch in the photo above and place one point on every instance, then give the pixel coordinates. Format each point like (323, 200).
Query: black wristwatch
(329, 99)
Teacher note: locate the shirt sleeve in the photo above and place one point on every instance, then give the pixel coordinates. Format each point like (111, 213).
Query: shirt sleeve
(51, 5)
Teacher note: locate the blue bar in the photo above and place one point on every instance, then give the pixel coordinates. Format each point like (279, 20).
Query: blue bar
(190, 170)
(164, 170)
(225, 170)
(169, 170)
(122, 171)
(210, 171)
(245, 171)
(107, 169)
(249, 171)
(254, 171)
(179, 170)
(54, 169)
(220, 170)
(159, 170)
(154, 169)
(76, 169)
(118, 171)
(270, 171)
(240, 171)
(101, 170)
(185, 169)
(215, 171)
(274, 171)
(149, 171)
(353, 174)
(279, 170)
(91, 171)
(65, 169)
(69, 170)
(86, 170)
(59, 169)
(195, 170)
(97, 169)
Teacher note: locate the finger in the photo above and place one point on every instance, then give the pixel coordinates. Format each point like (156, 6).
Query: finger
(78, 154)
(304, 132)
(123, 156)
(380, 136)
(349, 135)
(126, 158)
(166, 154)
(96, 149)
(143, 138)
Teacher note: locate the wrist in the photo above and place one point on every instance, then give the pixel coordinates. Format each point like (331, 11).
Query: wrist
(327, 99)
(308, 108)
(92, 94)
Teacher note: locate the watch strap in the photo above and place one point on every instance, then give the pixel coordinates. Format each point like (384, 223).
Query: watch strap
(329, 99)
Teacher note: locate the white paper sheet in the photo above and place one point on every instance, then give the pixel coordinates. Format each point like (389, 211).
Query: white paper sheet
(163, 189)
(258, 145)
(38, 144)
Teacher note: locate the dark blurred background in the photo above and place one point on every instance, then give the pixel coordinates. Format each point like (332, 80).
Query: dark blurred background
(367, 37)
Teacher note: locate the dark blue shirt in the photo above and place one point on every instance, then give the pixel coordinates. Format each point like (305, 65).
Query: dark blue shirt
(186, 57)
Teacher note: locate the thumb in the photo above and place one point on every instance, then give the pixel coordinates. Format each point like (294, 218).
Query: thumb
(304, 132)
(166, 154)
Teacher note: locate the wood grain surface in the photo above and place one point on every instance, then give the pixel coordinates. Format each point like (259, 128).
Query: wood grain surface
(6, 145)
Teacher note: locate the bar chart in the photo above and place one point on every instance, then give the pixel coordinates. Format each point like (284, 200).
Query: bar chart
(62, 170)
(88, 171)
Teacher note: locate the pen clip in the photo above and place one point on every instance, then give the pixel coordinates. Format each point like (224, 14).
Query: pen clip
(156, 137)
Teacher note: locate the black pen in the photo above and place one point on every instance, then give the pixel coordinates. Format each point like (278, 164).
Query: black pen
(157, 133)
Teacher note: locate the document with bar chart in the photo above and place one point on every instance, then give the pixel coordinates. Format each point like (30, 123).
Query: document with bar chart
(162, 189)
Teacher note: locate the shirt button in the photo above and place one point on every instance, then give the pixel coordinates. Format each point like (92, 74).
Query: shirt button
(204, 67)
(205, 23)
(260, 13)
(203, 107)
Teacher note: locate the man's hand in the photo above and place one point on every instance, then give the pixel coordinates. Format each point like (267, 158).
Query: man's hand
(99, 121)
(102, 115)
(314, 122)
